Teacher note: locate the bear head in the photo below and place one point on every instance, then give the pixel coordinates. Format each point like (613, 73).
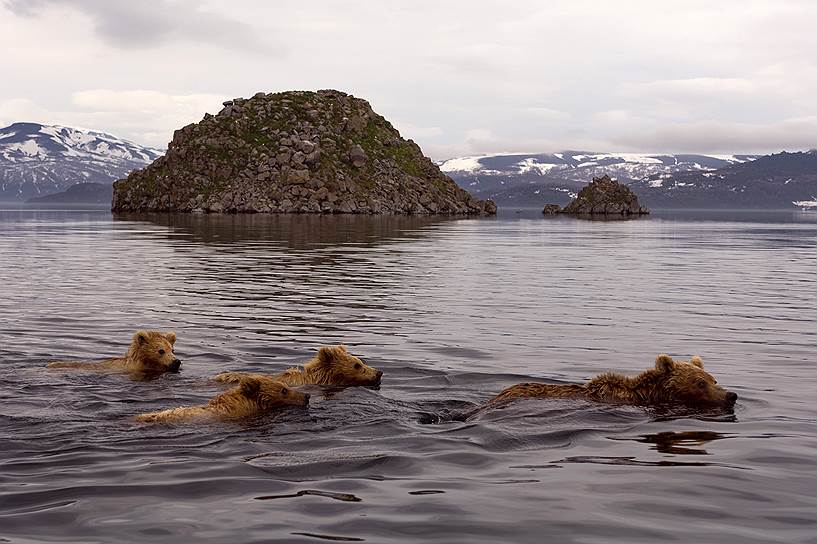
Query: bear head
(687, 383)
(269, 394)
(334, 365)
(152, 351)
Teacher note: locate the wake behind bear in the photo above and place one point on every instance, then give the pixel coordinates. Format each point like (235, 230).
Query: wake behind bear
(670, 383)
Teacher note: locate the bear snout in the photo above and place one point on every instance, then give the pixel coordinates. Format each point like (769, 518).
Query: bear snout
(378, 375)
(731, 397)
(175, 365)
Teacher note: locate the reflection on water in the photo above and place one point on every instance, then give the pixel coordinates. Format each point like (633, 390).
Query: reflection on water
(346, 497)
(682, 442)
(602, 217)
(334, 538)
(453, 310)
(631, 461)
(293, 231)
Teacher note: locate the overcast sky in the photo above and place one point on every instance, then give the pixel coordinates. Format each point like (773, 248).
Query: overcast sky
(459, 77)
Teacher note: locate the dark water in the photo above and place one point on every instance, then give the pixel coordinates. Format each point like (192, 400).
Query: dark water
(452, 311)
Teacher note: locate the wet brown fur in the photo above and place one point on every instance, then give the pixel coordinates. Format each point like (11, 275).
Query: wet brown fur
(670, 382)
(149, 351)
(333, 365)
(252, 397)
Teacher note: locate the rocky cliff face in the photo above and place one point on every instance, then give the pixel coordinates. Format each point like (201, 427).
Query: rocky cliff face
(294, 152)
(603, 196)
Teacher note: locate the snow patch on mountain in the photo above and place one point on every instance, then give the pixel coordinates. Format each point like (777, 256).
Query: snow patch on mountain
(570, 193)
(806, 204)
(636, 158)
(28, 149)
(732, 158)
(462, 164)
(531, 165)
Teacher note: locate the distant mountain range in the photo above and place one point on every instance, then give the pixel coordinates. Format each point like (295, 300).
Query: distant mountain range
(38, 160)
(659, 180)
(782, 180)
(81, 193)
(41, 160)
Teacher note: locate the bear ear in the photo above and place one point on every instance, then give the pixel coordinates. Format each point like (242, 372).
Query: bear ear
(171, 337)
(664, 364)
(140, 337)
(343, 348)
(249, 387)
(697, 362)
(328, 354)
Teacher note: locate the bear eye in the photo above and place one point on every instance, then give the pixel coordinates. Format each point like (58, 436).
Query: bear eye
(284, 391)
(357, 366)
(701, 383)
(161, 352)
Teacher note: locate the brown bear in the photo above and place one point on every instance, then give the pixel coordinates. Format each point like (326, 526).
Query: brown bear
(669, 383)
(333, 365)
(252, 397)
(149, 352)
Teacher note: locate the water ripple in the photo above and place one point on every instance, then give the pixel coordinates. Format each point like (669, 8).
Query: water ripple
(452, 311)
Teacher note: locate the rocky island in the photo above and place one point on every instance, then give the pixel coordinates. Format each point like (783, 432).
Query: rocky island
(601, 197)
(294, 152)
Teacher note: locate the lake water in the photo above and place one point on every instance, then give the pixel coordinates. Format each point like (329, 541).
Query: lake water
(452, 311)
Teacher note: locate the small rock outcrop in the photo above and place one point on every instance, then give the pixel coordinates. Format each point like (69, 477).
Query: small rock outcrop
(603, 196)
(294, 152)
(552, 209)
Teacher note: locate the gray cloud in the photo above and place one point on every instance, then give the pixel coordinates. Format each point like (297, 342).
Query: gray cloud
(139, 25)
(460, 76)
(722, 137)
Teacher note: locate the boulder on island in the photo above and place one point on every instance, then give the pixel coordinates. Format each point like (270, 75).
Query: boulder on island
(552, 209)
(294, 152)
(603, 196)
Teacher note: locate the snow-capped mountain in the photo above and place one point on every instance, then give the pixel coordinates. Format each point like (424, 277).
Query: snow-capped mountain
(578, 164)
(783, 180)
(37, 160)
(537, 179)
(779, 181)
(519, 179)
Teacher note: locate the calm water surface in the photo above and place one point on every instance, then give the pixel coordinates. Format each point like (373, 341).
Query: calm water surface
(452, 311)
